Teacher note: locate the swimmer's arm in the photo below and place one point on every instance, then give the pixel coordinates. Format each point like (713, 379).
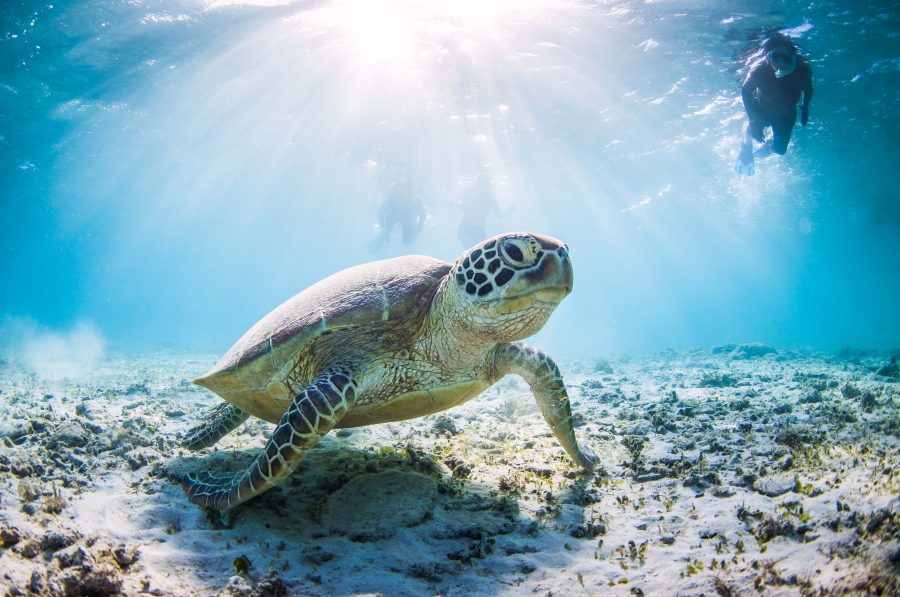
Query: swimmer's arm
(420, 219)
(807, 93)
(807, 97)
(748, 89)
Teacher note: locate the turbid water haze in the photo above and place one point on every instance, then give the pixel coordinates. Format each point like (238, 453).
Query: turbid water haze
(171, 171)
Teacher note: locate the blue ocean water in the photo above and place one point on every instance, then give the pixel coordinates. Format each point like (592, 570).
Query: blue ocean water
(172, 170)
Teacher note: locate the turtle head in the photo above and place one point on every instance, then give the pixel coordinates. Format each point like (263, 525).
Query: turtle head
(507, 286)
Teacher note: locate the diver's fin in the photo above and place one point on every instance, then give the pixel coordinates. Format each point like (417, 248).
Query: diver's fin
(744, 163)
(765, 150)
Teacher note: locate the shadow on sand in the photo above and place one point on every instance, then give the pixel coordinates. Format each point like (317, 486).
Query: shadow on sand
(363, 520)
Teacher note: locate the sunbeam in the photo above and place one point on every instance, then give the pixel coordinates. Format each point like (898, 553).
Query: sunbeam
(238, 151)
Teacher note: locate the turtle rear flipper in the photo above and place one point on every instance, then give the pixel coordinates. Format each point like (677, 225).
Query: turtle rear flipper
(312, 414)
(218, 422)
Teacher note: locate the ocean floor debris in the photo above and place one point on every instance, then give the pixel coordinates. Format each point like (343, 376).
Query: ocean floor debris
(736, 470)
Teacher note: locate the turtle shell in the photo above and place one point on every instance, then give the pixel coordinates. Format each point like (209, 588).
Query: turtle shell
(393, 294)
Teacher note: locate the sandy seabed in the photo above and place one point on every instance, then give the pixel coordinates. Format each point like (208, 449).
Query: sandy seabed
(732, 471)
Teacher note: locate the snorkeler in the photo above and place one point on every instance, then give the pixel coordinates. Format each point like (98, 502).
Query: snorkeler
(774, 85)
(403, 207)
(476, 204)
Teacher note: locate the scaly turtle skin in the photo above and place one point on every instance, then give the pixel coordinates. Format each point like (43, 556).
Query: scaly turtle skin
(387, 341)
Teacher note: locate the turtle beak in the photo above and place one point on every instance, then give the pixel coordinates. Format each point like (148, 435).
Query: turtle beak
(553, 277)
(548, 283)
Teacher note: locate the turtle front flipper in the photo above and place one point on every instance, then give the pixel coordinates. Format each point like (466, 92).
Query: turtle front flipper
(542, 374)
(218, 422)
(312, 414)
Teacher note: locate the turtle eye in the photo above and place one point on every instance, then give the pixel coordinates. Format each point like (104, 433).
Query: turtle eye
(516, 252)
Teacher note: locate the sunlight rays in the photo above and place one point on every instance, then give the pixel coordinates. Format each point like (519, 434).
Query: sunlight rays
(264, 158)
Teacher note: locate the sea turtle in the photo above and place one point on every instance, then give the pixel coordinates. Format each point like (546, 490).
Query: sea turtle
(387, 341)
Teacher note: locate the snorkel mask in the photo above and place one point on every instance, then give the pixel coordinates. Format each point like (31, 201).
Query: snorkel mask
(782, 61)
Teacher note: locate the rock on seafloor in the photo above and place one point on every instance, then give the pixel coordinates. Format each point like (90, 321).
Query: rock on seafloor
(372, 507)
(776, 485)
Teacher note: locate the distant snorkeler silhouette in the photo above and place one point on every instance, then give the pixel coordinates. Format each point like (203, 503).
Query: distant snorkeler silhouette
(777, 79)
(404, 207)
(476, 203)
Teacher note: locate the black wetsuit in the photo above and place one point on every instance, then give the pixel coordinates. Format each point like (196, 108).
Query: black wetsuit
(771, 101)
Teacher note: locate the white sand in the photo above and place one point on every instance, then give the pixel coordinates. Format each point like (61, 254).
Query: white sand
(492, 507)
